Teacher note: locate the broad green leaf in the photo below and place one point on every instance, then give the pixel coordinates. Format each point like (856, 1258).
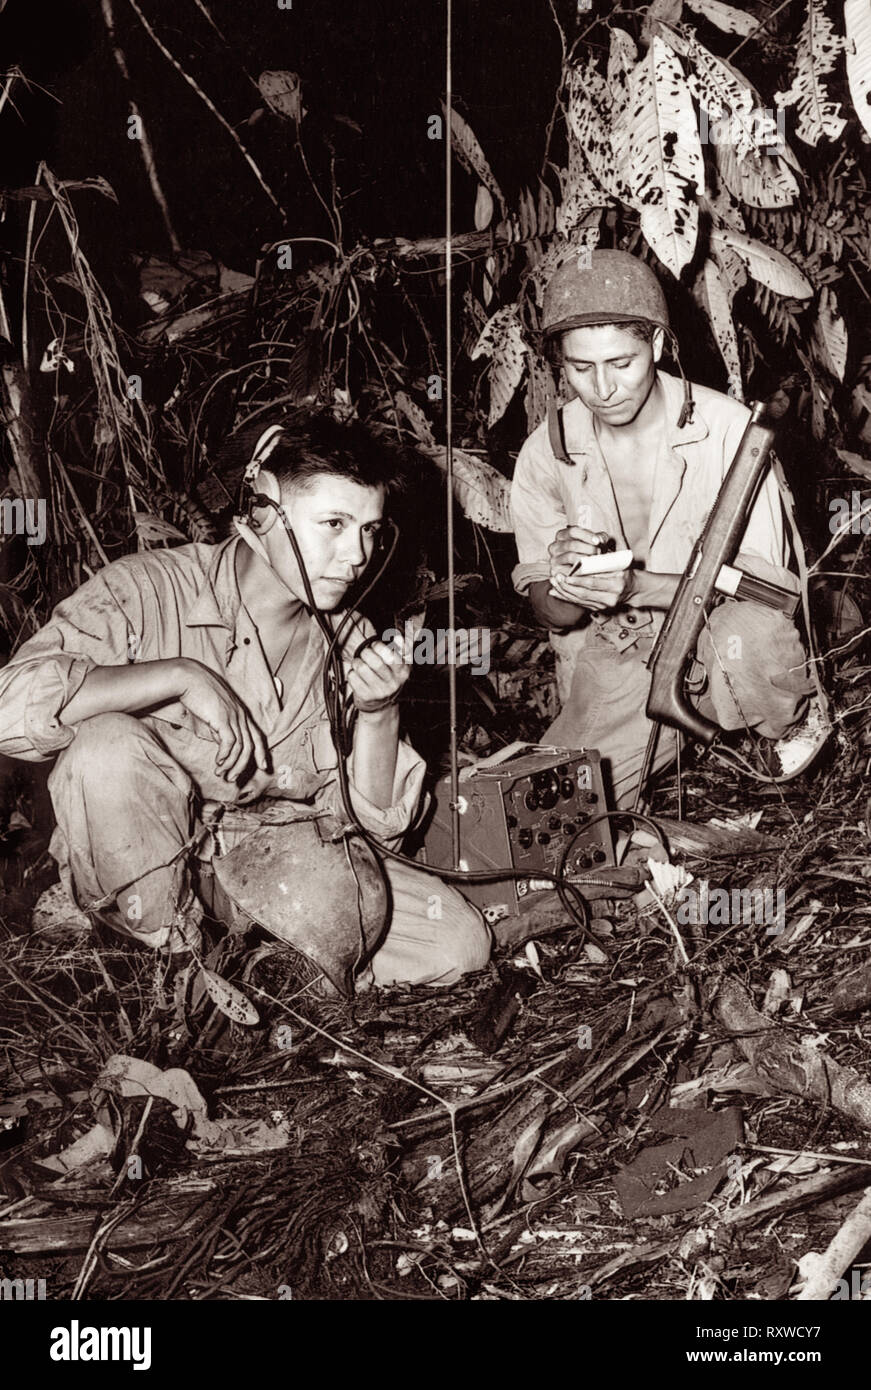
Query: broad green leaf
(469, 152)
(230, 1000)
(665, 170)
(725, 17)
(759, 180)
(768, 266)
(415, 417)
(817, 52)
(283, 94)
(502, 341)
(481, 490)
(592, 131)
(830, 335)
(622, 57)
(716, 299)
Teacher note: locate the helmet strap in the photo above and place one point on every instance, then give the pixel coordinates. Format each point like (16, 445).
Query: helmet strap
(689, 405)
(555, 426)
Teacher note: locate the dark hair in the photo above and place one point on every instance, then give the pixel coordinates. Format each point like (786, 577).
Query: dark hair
(642, 329)
(316, 444)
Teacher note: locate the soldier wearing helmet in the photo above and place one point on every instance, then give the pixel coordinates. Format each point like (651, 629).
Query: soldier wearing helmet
(636, 459)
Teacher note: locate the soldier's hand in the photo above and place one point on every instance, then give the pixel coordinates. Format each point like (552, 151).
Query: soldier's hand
(376, 675)
(597, 592)
(210, 699)
(570, 545)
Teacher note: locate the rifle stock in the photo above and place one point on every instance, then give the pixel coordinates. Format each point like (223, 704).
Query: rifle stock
(715, 547)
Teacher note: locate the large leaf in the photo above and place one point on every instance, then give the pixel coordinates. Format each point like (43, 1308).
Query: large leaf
(581, 192)
(665, 170)
(716, 299)
(759, 180)
(857, 22)
(768, 266)
(722, 92)
(818, 49)
(416, 418)
(502, 341)
(725, 17)
(480, 489)
(622, 57)
(830, 335)
(591, 129)
(469, 152)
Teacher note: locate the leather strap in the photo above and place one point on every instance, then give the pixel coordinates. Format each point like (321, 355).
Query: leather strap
(801, 560)
(556, 433)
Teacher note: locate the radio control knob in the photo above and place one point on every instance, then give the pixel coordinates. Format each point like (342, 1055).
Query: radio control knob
(525, 838)
(511, 821)
(569, 828)
(554, 822)
(567, 788)
(543, 838)
(530, 801)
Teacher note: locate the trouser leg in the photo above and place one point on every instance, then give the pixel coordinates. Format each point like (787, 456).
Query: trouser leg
(756, 668)
(756, 673)
(606, 711)
(435, 936)
(124, 812)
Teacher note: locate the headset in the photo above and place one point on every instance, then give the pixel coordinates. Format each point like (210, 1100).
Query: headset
(341, 722)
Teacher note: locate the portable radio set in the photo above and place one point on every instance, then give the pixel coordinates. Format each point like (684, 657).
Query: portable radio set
(522, 810)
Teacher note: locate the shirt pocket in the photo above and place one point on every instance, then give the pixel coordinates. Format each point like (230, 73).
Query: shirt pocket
(322, 748)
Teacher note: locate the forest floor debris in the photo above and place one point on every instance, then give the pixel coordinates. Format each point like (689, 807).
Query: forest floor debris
(398, 1149)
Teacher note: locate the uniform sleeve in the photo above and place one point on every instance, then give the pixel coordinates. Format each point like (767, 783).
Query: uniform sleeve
(537, 512)
(390, 823)
(91, 628)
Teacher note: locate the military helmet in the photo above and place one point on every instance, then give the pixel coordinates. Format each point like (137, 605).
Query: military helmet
(602, 287)
(320, 892)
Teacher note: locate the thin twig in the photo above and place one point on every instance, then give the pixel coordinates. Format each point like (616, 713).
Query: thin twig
(210, 105)
(142, 140)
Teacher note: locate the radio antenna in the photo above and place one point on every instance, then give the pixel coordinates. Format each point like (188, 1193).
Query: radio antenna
(449, 451)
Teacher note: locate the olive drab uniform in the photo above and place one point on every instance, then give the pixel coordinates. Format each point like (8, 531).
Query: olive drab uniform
(751, 666)
(130, 793)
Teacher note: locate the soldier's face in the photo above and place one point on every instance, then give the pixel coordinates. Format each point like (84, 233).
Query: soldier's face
(336, 524)
(611, 371)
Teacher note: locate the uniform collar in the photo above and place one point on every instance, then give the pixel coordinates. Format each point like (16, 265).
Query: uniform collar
(218, 601)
